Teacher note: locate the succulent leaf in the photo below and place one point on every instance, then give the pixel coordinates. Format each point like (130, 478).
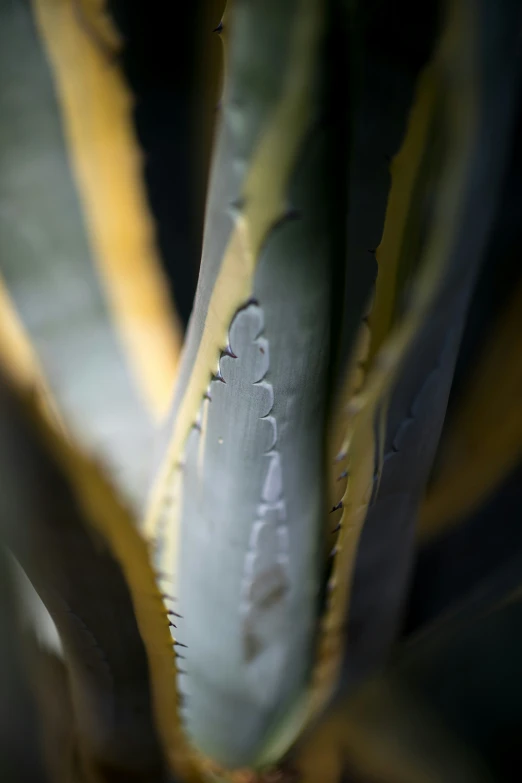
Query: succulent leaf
(485, 441)
(80, 549)
(79, 268)
(20, 752)
(393, 423)
(81, 44)
(238, 533)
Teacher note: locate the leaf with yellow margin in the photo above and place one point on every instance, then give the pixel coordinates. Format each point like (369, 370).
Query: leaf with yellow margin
(401, 726)
(392, 423)
(78, 263)
(384, 734)
(483, 442)
(245, 452)
(96, 106)
(79, 547)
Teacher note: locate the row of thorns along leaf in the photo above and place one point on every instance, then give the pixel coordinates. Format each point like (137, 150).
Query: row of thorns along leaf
(231, 556)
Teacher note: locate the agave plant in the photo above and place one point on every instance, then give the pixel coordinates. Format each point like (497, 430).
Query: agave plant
(213, 552)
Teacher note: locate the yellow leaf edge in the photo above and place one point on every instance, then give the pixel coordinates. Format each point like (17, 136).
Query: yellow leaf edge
(96, 107)
(455, 57)
(484, 437)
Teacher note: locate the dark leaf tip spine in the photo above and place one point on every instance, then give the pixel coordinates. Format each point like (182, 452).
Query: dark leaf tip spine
(228, 352)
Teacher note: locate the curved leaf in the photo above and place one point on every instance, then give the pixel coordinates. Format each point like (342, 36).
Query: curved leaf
(20, 753)
(485, 442)
(48, 249)
(96, 107)
(236, 510)
(392, 425)
(81, 551)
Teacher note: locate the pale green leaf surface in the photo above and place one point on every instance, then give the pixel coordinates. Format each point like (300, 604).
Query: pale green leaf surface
(46, 264)
(245, 664)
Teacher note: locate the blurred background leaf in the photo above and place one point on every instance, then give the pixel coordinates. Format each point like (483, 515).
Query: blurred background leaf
(104, 163)
(103, 334)
(21, 757)
(174, 69)
(45, 523)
